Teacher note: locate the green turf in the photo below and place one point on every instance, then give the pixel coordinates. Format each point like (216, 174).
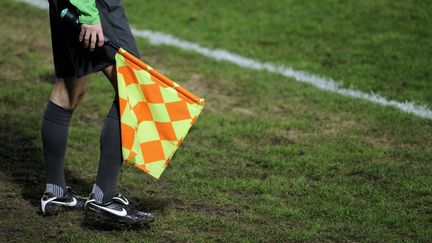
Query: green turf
(380, 46)
(269, 159)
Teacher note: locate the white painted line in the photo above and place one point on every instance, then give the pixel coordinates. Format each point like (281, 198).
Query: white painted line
(43, 4)
(158, 38)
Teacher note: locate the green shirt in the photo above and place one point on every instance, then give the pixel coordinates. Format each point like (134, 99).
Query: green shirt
(89, 14)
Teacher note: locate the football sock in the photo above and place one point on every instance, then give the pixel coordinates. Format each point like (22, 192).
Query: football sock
(98, 193)
(57, 191)
(54, 133)
(110, 156)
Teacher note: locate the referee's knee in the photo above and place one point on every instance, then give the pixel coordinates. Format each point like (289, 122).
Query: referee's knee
(68, 94)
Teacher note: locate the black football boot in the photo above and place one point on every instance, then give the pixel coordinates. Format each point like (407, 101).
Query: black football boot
(52, 205)
(117, 211)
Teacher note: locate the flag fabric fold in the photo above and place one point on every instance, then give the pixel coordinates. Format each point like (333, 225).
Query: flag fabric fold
(155, 114)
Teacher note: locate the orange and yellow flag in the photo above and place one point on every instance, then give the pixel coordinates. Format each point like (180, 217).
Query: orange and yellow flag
(155, 114)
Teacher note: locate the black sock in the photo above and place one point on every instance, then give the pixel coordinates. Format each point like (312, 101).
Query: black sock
(54, 132)
(110, 156)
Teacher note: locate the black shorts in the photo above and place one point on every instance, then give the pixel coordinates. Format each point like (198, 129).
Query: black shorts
(71, 59)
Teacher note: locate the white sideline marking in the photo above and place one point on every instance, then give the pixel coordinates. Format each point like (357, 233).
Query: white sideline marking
(43, 4)
(158, 38)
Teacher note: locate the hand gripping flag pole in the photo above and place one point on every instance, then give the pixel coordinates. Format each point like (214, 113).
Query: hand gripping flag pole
(155, 112)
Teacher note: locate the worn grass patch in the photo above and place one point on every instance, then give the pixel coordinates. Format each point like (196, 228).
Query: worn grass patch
(269, 159)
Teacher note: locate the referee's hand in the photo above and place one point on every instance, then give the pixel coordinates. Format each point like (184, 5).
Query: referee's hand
(91, 34)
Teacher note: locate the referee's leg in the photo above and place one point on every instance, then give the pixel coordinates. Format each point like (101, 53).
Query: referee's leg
(110, 160)
(64, 98)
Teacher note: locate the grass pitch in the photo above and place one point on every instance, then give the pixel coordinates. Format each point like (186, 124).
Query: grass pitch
(269, 159)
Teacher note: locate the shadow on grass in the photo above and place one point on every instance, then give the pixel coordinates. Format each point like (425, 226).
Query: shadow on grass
(22, 161)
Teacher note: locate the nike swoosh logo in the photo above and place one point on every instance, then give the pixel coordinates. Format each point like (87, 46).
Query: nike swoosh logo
(69, 204)
(45, 202)
(121, 213)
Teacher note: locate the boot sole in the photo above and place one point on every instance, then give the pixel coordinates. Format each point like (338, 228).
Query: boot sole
(98, 218)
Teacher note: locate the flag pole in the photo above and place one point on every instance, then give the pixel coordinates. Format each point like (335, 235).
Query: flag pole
(72, 19)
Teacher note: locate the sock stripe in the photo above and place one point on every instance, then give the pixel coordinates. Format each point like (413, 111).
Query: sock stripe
(98, 193)
(56, 190)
